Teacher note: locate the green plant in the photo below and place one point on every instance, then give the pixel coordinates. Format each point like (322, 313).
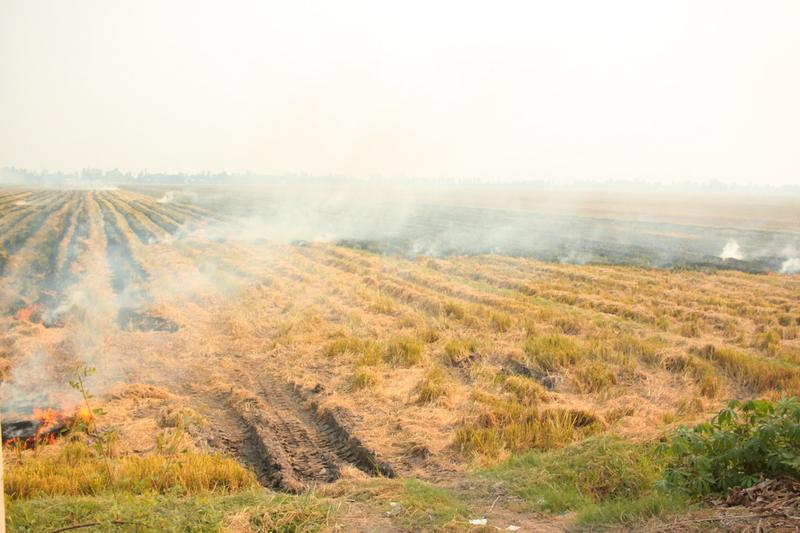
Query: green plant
(743, 443)
(597, 470)
(105, 440)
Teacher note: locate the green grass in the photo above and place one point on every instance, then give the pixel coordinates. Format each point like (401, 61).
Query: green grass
(605, 480)
(411, 504)
(591, 471)
(629, 512)
(263, 510)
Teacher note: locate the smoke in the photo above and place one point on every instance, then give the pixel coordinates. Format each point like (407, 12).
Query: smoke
(732, 250)
(37, 381)
(168, 198)
(791, 266)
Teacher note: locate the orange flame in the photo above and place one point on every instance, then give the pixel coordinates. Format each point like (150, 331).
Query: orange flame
(26, 313)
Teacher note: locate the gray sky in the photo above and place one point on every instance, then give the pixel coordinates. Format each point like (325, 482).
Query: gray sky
(677, 90)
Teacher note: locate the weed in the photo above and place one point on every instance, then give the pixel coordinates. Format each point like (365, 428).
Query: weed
(429, 335)
(347, 346)
(384, 304)
(742, 444)
(628, 512)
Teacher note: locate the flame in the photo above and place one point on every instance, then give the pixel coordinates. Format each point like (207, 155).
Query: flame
(51, 424)
(26, 313)
(48, 418)
(84, 413)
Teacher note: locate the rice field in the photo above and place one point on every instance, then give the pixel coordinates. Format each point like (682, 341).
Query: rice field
(364, 378)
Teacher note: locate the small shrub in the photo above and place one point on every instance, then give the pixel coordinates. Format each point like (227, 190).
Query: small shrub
(742, 444)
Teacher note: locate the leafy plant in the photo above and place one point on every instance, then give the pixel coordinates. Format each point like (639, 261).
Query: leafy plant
(105, 440)
(745, 442)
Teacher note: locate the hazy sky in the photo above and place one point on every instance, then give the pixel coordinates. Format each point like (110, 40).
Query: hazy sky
(498, 90)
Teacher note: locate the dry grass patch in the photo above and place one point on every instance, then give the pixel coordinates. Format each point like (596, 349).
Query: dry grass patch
(526, 390)
(433, 387)
(757, 374)
(594, 377)
(553, 352)
(78, 469)
(403, 352)
(503, 427)
(501, 321)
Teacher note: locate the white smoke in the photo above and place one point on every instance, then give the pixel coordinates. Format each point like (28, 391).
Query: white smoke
(168, 198)
(732, 250)
(791, 266)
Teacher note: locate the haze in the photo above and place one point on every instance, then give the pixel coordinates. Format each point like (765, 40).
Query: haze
(512, 91)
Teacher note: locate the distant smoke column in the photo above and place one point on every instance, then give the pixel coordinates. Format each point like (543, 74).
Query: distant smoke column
(732, 250)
